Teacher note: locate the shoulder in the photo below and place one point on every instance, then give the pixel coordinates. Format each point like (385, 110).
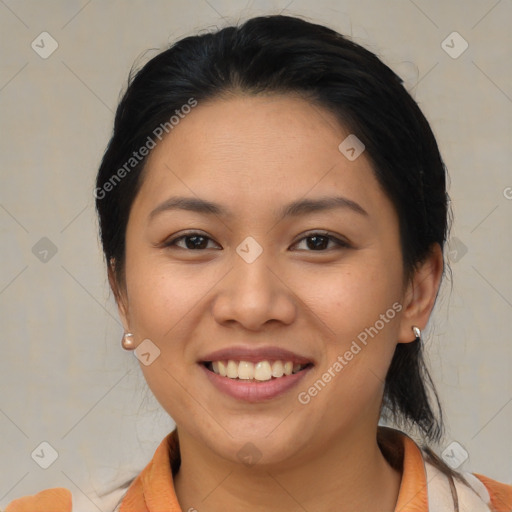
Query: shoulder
(476, 494)
(500, 494)
(131, 493)
(435, 490)
(57, 499)
(60, 499)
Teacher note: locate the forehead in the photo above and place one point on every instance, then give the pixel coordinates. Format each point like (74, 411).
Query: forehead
(252, 152)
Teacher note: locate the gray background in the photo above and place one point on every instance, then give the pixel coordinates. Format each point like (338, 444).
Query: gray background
(64, 378)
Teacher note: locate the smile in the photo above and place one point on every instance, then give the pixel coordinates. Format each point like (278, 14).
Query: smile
(264, 370)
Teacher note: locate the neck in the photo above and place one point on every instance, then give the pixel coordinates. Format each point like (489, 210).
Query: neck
(345, 475)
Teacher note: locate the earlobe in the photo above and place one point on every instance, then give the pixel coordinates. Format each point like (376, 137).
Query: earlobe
(421, 295)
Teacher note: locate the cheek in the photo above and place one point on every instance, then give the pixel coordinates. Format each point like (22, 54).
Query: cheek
(154, 304)
(164, 304)
(359, 308)
(161, 295)
(353, 298)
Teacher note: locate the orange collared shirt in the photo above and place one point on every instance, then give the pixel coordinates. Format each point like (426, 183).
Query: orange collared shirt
(153, 489)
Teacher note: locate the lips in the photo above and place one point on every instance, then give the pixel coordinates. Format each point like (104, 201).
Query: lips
(253, 355)
(253, 374)
(254, 390)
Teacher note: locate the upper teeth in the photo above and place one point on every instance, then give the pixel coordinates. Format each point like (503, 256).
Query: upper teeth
(262, 370)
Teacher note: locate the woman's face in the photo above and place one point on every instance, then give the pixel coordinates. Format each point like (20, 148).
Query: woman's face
(257, 277)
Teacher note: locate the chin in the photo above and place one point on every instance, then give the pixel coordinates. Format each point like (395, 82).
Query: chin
(261, 445)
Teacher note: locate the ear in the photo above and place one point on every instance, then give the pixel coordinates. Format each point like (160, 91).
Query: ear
(421, 294)
(119, 295)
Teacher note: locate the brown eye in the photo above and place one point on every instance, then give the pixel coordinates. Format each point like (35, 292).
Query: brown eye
(191, 241)
(319, 241)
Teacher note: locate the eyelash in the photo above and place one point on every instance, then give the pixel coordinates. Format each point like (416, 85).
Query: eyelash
(325, 234)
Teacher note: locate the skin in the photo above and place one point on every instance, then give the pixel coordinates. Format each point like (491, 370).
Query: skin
(254, 154)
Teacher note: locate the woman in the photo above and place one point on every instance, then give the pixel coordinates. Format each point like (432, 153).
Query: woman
(273, 214)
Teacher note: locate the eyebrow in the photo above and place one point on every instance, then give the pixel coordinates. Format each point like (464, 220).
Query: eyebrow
(293, 209)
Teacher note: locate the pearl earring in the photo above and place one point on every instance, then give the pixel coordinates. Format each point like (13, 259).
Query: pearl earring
(127, 341)
(417, 333)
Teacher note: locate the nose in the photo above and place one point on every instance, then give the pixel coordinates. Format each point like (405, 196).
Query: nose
(254, 295)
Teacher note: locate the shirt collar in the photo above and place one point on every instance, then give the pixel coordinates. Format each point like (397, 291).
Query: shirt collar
(153, 489)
